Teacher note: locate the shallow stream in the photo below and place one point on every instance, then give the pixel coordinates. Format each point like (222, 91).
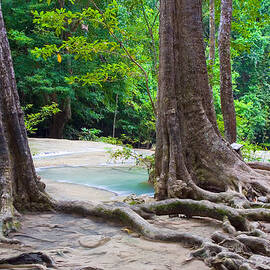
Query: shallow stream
(121, 180)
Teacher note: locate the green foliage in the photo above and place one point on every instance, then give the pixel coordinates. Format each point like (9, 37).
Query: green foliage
(250, 69)
(32, 120)
(249, 151)
(92, 54)
(89, 134)
(110, 140)
(126, 153)
(120, 51)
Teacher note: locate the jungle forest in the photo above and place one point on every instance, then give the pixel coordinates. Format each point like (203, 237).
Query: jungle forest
(179, 92)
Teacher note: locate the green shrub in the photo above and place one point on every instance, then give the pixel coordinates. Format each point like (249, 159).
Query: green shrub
(89, 134)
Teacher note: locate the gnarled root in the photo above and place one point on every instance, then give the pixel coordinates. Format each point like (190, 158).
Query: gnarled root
(8, 219)
(265, 166)
(129, 218)
(23, 266)
(239, 251)
(235, 252)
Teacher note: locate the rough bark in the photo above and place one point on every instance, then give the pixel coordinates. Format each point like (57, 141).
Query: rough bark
(20, 187)
(226, 92)
(212, 50)
(192, 160)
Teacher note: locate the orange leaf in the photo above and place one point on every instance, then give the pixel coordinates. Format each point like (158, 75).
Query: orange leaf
(59, 58)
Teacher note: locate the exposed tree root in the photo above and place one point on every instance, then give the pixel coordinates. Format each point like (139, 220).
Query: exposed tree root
(32, 237)
(129, 218)
(245, 248)
(260, 165)
(222, 252)
(8, 222)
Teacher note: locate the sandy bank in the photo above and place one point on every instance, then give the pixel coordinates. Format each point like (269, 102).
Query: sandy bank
(58, 153)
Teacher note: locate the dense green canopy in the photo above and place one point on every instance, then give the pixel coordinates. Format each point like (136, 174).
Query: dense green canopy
(102, 57)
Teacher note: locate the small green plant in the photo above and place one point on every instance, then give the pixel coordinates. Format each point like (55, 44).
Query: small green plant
(89, 134)
(127, 140)
(111, 140)
(249, 151)
(127, 152)
(33, 119)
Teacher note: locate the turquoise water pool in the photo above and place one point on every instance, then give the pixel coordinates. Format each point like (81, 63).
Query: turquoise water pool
(120, 180)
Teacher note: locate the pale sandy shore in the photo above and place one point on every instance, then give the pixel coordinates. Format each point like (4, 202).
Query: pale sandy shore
(57, 153)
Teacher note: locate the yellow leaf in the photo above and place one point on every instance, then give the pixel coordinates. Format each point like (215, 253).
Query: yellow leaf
(59, 58)
(128, 231)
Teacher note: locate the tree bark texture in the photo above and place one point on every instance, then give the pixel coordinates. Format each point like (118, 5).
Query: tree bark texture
(212, 51)
(226, 92)
(192, 159)
(19, 184)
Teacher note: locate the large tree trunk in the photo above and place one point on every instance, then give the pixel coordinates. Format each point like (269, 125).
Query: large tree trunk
(191, 158)
(19, 185)
(226, 93)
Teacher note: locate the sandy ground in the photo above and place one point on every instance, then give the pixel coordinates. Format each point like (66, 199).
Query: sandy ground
(77, 243)
(70, 241)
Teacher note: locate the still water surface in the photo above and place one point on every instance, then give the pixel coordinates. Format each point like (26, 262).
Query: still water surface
(121, 180)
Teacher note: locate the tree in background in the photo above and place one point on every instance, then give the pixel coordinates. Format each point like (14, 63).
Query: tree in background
(249, 72)
(250, 47)
(212, 38)
(39, 83)
(226, 92)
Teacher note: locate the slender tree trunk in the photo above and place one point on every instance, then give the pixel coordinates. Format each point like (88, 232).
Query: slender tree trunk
(192, 160)
(60, 119)
(19, 185)
(212, 31)
(226, 93)
(115, 115)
